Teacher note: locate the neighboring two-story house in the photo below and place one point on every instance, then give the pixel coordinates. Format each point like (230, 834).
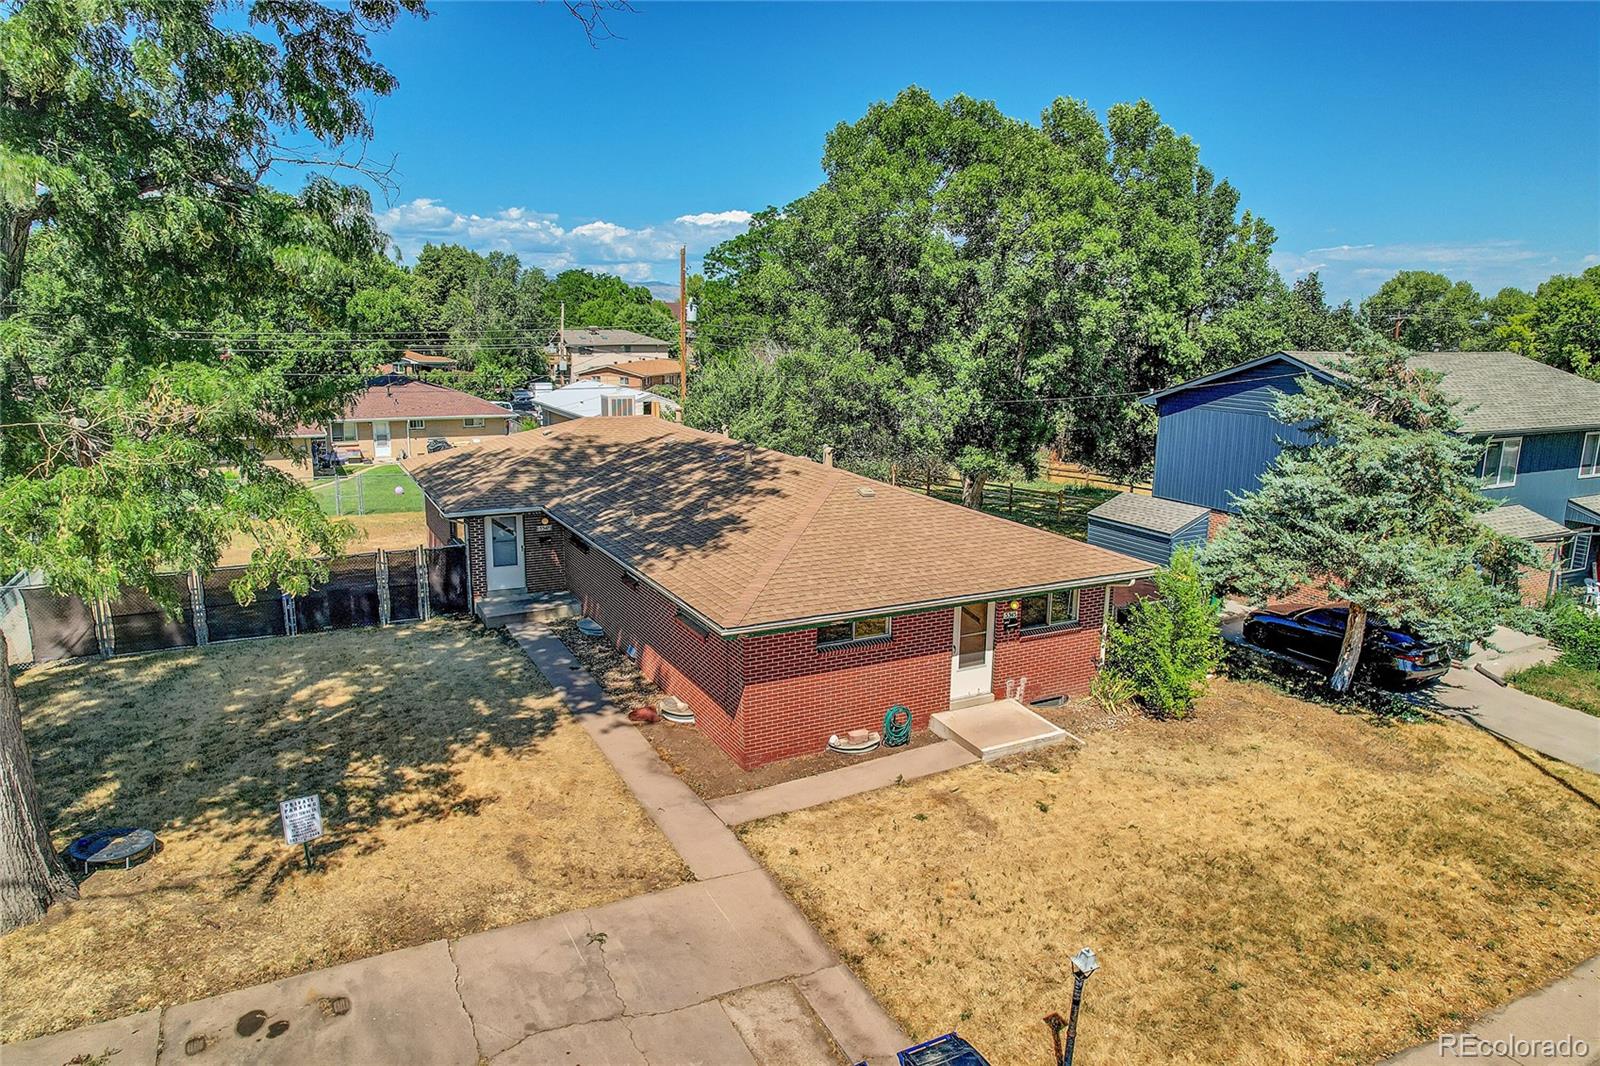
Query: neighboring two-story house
(581, 349)
(1217, 434)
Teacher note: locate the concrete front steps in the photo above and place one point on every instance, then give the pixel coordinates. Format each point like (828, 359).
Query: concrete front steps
(996, 728)
(498, 608)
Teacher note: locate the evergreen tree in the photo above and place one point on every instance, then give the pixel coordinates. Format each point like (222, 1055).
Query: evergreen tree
(1171, 641)
(1380, 509)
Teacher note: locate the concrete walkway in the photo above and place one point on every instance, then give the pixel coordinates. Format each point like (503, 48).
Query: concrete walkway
(723, 970)
(826, 787)
(1549, 728)
(1566, 1014)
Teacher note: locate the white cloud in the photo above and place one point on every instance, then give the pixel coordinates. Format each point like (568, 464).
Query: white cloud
(1354, 271)
(716, 218)
(540, 239)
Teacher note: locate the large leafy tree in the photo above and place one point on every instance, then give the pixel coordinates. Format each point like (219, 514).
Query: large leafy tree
(1424, 311)
(1379, 509)
(1558, 324)
(167, 316)
(1038, 274)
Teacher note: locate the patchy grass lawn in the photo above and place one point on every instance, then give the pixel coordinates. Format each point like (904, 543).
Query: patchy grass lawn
(1563, 683)
(457, 796)
(395, 532)
(1268, 882)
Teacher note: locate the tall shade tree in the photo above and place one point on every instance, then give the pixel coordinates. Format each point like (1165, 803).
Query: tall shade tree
(1379, 509)
(1425, 311)
(1559, 324)
(167, 317)
(1038, 274)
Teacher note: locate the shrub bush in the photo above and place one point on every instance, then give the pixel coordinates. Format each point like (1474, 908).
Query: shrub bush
(1170, 642)
(1565, 624)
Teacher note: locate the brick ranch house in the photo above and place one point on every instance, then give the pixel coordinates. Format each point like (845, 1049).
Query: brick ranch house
(782, 599)
(393, 418)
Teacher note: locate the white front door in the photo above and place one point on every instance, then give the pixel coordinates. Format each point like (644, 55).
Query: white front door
(380, 440)
(503, 553)
(972, 652)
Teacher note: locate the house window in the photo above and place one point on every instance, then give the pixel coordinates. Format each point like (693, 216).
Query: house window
(342, 432)
(579, 543)
(458, 531)
(629, 580)
(472, 423)
(1051, 609)
(616, 405)
(1589, 461)
(1500, 462)
(1576, 553)
(858, 629)
(416, 423)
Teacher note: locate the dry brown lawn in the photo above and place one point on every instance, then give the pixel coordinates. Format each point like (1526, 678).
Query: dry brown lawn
(1268, 882)
(457, 792)
(394, 532)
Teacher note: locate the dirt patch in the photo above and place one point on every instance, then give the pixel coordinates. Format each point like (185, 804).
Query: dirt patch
(1266, 882)
(392, 532)
(457, 793)
(693, 756)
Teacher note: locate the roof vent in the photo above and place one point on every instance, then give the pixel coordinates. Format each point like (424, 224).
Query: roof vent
(866, 492)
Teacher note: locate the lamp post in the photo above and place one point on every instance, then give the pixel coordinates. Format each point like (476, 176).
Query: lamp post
(1084, 963)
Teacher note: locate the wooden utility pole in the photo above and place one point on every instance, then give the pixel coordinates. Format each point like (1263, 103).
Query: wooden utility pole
(561, 342)
(683, 323)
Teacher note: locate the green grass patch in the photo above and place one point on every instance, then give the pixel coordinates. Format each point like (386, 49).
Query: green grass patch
(372, 491)
(1569, 685)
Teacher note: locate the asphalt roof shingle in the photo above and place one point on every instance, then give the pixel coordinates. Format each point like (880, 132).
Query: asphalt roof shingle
(1500, 392)
(1515, 520)
(753, 538)
(1149, 512)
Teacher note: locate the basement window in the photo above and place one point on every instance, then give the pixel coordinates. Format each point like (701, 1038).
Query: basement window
(855, 631)
(1051, 609)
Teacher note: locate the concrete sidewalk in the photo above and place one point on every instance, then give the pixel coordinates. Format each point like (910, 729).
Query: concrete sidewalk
(1557, 1024)
(826, 787)
(1549, 728)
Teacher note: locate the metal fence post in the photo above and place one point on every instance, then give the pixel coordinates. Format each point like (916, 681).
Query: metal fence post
(103, 629)
(382, 573)
(424, 608)
(289, 627)
(338, 495)
(197, 601)
(361, 495)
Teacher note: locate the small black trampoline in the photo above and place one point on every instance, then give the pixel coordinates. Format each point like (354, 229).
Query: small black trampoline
(109, 847)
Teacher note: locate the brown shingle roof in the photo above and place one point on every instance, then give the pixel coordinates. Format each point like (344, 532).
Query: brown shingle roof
(408, 398)
(757, 539)
(638, 367)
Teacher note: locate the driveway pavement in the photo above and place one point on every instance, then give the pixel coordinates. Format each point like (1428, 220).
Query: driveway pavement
(1549, 728)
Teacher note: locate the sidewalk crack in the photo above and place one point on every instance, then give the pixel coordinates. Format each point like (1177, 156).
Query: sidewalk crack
(472, 1023)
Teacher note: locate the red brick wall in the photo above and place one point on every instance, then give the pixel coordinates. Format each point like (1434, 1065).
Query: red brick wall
(702, 670)
(796, 695)
(542, 564)
(1057, 662)
(1534, 581)
(1215, 523)
(476, 563)
(438, 524)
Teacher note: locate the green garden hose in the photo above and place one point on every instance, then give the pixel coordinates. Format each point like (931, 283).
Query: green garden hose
(896, 726)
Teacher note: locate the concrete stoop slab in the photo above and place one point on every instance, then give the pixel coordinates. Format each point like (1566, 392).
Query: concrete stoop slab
(994, 730)
(498, 608)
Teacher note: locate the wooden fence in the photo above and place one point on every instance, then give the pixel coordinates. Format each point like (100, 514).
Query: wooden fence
(1064, 510)
(1073, 474)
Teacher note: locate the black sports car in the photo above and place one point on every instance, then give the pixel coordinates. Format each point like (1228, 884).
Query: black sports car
(1389, 656)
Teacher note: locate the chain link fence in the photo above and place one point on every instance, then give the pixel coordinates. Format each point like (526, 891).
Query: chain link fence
(368, 589)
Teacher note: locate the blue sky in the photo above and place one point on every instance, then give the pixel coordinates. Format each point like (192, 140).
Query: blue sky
(1374, 138)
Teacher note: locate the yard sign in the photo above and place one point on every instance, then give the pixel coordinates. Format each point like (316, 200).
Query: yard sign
(302, 821)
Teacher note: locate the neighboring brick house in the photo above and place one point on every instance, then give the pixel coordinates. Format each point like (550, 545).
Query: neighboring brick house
(782, 599)
(586, 347)
(638, 373)
(1539, 427)
(394, 418)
